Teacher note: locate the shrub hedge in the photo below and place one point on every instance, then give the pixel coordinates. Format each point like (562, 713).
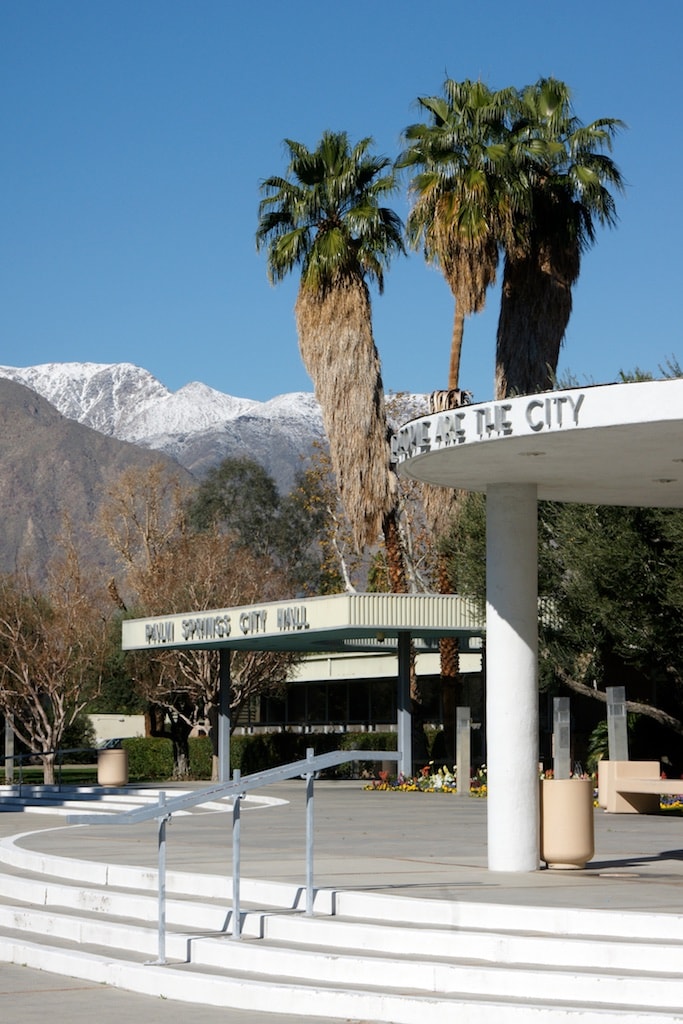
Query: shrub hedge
(151, 759)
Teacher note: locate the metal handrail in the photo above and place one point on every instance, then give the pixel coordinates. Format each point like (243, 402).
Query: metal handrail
(238, 788)
(59, 761)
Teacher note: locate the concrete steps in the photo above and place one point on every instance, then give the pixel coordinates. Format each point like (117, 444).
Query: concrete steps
(63, 800)
(361, 956)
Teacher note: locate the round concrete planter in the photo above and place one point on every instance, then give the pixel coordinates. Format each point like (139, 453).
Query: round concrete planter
(567, 837)
(112, 767)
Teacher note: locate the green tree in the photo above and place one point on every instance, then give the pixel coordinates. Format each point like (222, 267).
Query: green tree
(242, 497)
(614, 580)
(461, 211)
(561, 184)
(326, 217)
(611, 589)
(117, 693)
(306, 530)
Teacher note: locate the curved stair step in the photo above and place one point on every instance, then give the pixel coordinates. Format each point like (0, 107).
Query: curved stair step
(183, 984)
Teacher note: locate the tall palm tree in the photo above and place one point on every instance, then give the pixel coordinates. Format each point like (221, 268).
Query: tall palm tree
(562, 176)
(325, 217)
(461, 205)
(459, 210)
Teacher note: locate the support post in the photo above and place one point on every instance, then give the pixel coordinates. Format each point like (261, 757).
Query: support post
(561, 738)
(161, 884)
(462, 745)
(512, 689)
(404, 716)
(617, 724)
(224, 716)
(9, 750)
(236, 866)
(310, 833)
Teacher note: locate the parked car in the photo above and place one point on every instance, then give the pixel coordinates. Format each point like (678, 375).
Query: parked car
(112, 744)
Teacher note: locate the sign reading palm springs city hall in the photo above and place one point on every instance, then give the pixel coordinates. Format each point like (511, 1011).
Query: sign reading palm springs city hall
(198, 629)
(285, 625)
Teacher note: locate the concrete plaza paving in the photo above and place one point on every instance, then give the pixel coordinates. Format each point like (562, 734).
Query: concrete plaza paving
(423, 846)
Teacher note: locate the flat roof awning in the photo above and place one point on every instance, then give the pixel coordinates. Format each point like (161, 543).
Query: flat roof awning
(338, 622)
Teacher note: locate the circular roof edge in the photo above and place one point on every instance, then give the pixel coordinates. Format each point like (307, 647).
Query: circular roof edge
(617, 444)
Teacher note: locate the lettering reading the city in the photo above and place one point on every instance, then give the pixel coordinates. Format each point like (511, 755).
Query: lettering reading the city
(484, 422)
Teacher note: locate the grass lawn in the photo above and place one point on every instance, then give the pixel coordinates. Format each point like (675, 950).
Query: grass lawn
(71, 775)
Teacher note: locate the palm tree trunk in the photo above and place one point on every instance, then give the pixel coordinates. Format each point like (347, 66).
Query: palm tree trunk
(339, 353)
(535, 307)
(393, 546)
(456, 346)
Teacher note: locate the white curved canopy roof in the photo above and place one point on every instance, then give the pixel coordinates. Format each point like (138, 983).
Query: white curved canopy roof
(615, 444)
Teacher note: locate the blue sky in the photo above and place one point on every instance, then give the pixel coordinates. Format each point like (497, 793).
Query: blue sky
(135, 134)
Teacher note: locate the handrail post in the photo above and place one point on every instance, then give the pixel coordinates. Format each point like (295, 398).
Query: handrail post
(9, 750)
(236, 912)
(310, 776)
(238, 788)
(161, 882)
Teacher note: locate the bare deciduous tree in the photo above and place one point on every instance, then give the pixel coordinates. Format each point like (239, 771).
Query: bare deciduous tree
(169, 568)
(52, 648)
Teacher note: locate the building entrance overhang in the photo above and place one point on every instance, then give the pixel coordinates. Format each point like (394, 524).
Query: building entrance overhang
(340, 622)
(617, 444)
(614, 444)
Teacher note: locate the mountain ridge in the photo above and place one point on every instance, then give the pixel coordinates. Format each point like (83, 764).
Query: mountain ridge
(54, 473)
(196, 425)
(69, 429)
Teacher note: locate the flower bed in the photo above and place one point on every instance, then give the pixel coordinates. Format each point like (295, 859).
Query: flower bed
(444, 780)
(430, 780)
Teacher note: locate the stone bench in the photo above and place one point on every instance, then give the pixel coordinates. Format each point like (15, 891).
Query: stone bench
(633, 787)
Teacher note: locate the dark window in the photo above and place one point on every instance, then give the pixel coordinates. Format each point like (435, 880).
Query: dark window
(337, 695)
(359, 702)
(383, 697)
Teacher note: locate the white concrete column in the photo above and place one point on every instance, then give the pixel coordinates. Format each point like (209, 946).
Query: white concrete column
(512, 677)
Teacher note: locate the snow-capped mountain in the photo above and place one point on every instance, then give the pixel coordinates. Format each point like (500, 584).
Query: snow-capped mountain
(70, 429)
(127, 402)
(197, 425)
(55, 471)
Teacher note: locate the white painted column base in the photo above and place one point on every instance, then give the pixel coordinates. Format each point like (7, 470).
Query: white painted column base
(512, 677)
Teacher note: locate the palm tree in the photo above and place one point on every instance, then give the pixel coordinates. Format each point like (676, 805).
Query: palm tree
(460, 209)
(513, 171)
(461, 206)
(325, 217)
(562, 176)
